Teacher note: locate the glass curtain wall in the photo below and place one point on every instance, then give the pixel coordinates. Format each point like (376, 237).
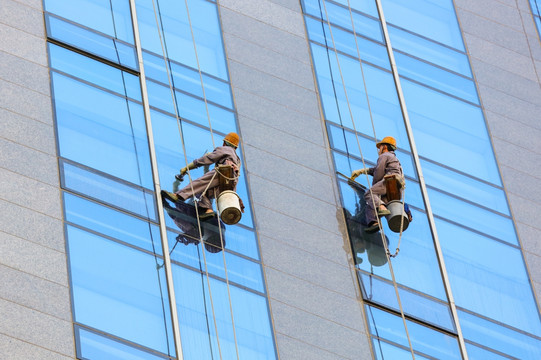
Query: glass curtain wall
(536, 6)
(496, 308)
(116, 263)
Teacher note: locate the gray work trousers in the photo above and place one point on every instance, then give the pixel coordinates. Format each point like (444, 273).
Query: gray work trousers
(199, 185)
(373, 197)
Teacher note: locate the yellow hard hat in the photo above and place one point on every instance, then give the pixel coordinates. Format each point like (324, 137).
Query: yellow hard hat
(232, 139)
(389, 140)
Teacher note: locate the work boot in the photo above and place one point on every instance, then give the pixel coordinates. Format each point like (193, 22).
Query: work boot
(383, 212)
(372, 228)
(170, 196)
(207, 214)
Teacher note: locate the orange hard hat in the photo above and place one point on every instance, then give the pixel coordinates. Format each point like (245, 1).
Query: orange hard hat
(389, 140)
(232, 139)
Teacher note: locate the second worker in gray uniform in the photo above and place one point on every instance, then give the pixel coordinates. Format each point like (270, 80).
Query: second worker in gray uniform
(222, 155)
(387, 164)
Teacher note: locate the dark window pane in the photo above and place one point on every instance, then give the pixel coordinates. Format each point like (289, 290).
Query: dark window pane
(95, 346)
(112, 223)
(108, 190)
(500, 338)
(117, 289)
(97, 15)
(488, 277)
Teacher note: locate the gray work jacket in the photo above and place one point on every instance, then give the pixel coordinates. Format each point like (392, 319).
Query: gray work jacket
(221, 155)
(387, 164)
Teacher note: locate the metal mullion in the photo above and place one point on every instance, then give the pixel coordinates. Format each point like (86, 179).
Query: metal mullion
(422, 183)
(157, 189)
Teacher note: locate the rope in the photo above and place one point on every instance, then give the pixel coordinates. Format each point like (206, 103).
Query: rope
(212, 137)
(171, 85)
(364, 164)
(141, 183)
(179, 125)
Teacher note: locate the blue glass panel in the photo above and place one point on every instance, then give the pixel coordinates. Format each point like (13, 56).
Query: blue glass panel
(384, 350)
(340, 14)
(414, 304)
(198, 141)
(436, 77)
(105, 47)
(94, 72)
(243, 241)
(500, 338)
(472, 216)
(488, 277)
(433, 19)
(101, 130)
(239, 270)
(384, 117)
(416, 267)
(424, 340)
(108, 190)
(191, 108)
(94, 346)
(178, 33)
(97, 15)
(445, 129)
(196, 311)
(117, 289)
(344, 41)
(188, 80)
(477, 353)
(345, 141)
(465, 187)
(112, 223)
(429, 51)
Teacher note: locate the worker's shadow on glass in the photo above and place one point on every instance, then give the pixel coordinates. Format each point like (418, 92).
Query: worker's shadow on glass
(362, 241)
(184, 216)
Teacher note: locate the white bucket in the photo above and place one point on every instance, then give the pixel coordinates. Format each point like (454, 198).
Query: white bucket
(229, 207)
(397, 217)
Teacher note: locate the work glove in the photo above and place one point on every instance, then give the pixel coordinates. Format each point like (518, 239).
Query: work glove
(185, 169)
(356, 173)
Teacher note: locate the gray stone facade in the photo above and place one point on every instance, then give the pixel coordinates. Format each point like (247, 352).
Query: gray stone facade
(34, 295)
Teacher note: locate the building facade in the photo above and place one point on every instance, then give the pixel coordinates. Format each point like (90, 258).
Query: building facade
(103, 101)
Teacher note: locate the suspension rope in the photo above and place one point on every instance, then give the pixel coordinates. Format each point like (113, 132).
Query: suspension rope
(222, 244)
(171, 86)
(181, 133)
(141, 182)
(364, 165)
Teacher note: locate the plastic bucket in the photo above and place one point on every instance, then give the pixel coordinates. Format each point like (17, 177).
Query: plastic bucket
(398, 216)
(229, 207)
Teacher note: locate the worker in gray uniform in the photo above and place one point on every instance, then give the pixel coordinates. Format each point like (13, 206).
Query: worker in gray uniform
(387, 164)
(206, 187)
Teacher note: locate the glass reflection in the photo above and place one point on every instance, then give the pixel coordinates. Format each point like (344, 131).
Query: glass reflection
(205, 319)
(514, 343)
(424, 340)
(109, 17)
(488, 277)
(117, 289)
